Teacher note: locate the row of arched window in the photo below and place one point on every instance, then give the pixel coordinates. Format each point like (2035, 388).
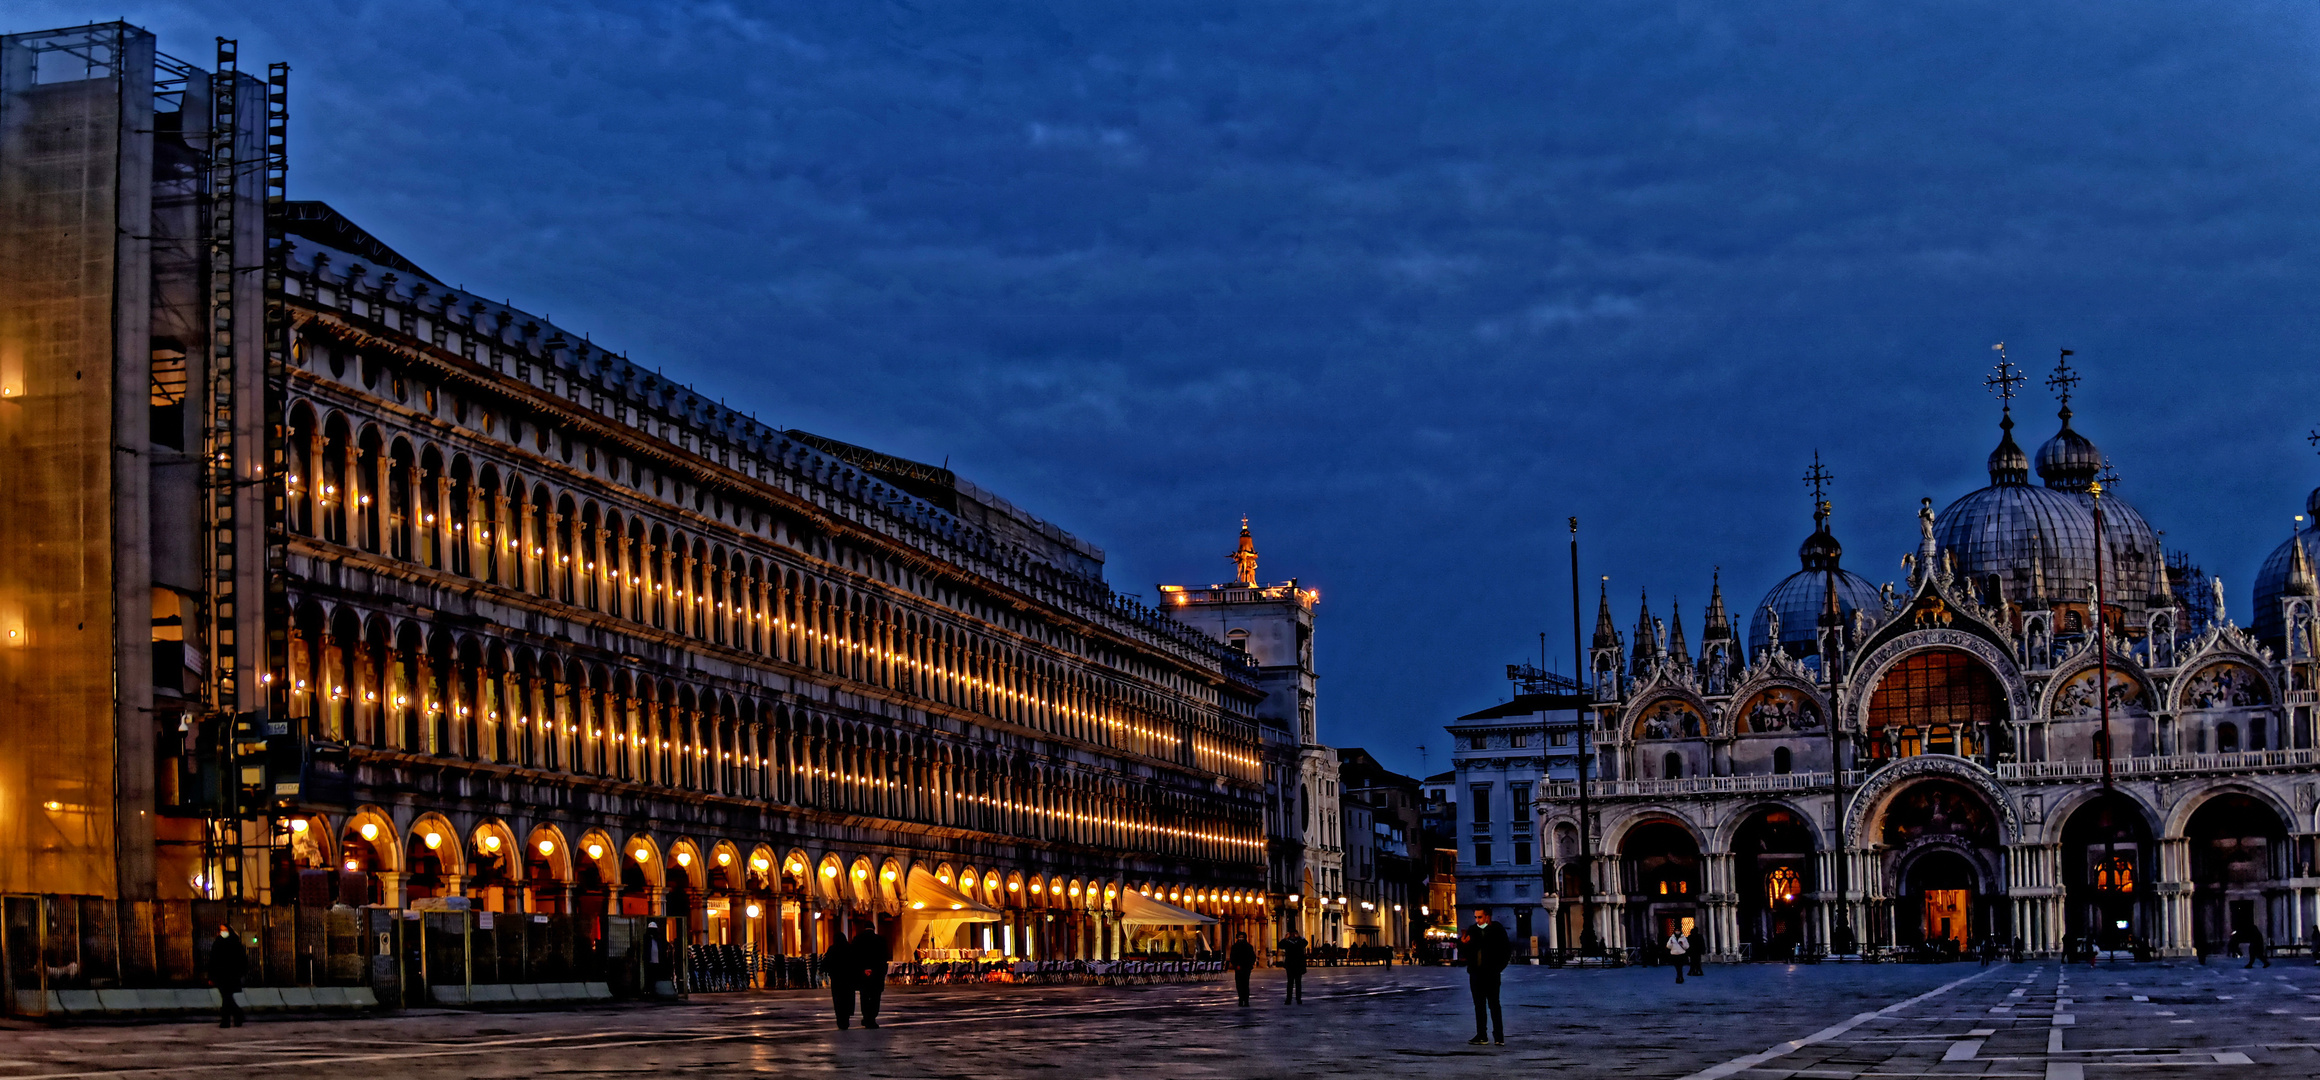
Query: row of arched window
(380, 492)
(402, 687)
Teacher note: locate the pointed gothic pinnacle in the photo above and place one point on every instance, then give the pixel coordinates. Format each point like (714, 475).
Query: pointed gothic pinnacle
(1719, 625)
(2300, 580)
(1677, 649)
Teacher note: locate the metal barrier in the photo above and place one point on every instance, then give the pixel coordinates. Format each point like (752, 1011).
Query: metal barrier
(52, 944)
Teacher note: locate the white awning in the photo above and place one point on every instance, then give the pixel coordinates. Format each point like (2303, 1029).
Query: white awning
(1137, 909)
(927, 896)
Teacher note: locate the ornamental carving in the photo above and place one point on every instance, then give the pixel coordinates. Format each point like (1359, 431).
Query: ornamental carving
(1883, 781)
(2224, 684)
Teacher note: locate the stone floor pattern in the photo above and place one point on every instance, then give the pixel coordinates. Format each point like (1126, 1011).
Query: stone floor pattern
(1756, 1022)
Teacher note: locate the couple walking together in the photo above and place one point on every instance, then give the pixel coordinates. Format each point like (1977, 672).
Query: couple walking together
(857, 969)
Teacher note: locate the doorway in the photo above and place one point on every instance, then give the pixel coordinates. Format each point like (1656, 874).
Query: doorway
(1945, 915)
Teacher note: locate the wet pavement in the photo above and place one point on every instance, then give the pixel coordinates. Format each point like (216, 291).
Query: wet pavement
(1752, 1022)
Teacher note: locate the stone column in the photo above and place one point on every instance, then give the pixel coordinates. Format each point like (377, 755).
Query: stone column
(2174, 889)
(390, 887)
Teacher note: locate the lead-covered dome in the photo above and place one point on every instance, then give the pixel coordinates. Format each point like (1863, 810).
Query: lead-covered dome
(2039, 542)
(1800, 598)
(2272, 580)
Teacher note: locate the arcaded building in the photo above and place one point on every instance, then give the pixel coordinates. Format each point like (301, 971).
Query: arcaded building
(1953, 757)
(327, 581)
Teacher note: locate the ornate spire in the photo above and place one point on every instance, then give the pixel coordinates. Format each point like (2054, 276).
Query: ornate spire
(2037, 571)
(1606, 634)
(2008, 464)
(1244, 558)
(2300, 580)
(1719, 626)
(1820, 551)
(1678, 651)
(2162, 590)
(1647, 629)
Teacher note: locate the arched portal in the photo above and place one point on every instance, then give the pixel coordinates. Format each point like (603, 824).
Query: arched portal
(1941, 859)
(2239, 854)
(2108, 858)
(1661, 863)
(1775, 876)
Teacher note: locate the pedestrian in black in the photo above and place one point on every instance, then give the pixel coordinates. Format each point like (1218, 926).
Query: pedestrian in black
(1293, 965)
(1487, 950)
(838, 966)
(1699, 953)
(229, 966)
(2256, 949)
(1243, 960)
(870, 954)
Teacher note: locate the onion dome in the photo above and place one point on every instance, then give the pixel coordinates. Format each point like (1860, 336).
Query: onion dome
(2279, 576)
(1800, 598)
(2069, 461)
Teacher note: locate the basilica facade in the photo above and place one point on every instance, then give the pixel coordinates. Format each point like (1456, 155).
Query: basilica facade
(2048, 733)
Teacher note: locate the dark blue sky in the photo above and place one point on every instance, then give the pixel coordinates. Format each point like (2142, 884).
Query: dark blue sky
(1407, 284)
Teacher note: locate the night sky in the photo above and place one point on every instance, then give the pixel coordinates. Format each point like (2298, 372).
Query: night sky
(1407, 284)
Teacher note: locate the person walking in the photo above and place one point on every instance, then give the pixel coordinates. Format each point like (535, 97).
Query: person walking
(869, 955)
(1487, 950)
(1698, 953)
(1243, 960)
(1678, 943)
(1293, 965)
(2256, 947)
(229, 966)
(838, 966)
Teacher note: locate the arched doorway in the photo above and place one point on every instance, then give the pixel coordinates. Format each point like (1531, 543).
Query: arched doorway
(1661, 862)
(1941, 848)
(2107, 860)
(1938, 902)
(2239, 852)
(1775, 876)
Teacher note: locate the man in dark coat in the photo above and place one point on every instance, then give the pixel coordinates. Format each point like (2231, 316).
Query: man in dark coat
(1699, 952)
(1293, 965)
(229, 966)
(1243, 960)
(870, 956)
(2257, 947)
(1486, 949)
(838, 965)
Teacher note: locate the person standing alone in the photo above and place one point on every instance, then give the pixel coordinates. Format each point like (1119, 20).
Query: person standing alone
(1487, 950)
(1293, 965)
(229, 966)
(1243, 960)
(869, 955)
(1679, 945)
(838, 966)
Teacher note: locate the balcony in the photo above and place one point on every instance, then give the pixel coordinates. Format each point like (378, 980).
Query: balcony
(2162, 765)
(1698, 785)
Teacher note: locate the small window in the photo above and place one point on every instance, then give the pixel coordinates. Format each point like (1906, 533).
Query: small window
(1781, 761)
(2256, 734)
(1481, 793)
(1519, 740)
(1238, 640)
(166, 414)
(1672, 766)
(2226, 739)
(1522, 853)
(1482, 858)
(1520, 795)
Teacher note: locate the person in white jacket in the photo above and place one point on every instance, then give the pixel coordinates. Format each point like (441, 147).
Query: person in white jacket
(1677, 946)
